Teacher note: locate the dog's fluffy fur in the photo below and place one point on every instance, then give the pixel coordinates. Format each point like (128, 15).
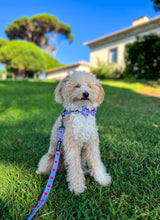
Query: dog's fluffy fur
(80, 145)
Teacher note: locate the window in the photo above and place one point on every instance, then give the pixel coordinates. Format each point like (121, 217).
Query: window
(113, 56)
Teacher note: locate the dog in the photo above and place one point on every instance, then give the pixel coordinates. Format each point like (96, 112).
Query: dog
(80, 146)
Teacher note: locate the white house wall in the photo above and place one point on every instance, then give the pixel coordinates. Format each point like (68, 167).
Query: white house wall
(102, 51)
(60, 74)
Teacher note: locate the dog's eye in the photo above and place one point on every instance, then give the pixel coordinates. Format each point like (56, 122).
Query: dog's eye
(77, 86)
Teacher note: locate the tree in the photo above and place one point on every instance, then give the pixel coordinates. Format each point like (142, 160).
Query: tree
(44, 30)
(22, 58)
(25, 58)
(156, 4)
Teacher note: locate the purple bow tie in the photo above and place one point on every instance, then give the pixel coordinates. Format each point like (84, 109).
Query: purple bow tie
(86, 111)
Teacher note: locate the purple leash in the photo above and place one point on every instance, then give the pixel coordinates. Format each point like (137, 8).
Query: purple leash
(48, 187)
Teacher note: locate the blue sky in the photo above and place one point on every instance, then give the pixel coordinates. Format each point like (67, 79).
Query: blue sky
(89, 19)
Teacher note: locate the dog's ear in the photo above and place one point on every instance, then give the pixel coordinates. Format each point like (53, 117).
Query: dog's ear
(101, 93)
(58, 91)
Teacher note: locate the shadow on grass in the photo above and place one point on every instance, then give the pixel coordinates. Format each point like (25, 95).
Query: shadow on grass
(4, 209)
(24, 95)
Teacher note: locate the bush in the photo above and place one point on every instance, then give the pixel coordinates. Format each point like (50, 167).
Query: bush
(8, 74)
(105, 70)
(143, 58)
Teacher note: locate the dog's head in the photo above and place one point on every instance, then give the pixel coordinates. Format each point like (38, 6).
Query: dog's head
(79, 89)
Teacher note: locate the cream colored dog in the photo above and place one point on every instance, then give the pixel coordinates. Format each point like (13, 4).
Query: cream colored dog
(80, 145)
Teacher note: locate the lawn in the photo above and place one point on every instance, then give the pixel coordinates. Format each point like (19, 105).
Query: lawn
(129, 128)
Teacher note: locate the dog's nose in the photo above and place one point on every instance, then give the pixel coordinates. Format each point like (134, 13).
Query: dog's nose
(85, 94)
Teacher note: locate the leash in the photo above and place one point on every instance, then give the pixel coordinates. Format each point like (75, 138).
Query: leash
(53, 171)
(48, 187)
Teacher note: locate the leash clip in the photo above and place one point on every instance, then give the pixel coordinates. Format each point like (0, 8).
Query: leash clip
(60, 137)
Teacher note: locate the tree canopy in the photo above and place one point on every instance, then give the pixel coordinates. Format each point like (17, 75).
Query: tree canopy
(156, 4)
(25, 58)
(22, 57)
(51, 62)
(3, 42)
(41, 29)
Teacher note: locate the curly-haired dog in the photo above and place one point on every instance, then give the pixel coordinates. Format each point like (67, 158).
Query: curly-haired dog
(80, 142)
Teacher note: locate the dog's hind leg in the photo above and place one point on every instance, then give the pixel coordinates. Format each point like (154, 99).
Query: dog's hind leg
(46, 162)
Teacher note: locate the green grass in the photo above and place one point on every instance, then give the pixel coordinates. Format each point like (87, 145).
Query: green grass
(129, 128)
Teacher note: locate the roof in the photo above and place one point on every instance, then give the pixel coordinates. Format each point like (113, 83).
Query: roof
(123, 31)
(84, 63)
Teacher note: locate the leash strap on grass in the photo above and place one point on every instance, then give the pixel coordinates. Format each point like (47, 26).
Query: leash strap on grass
(53, 172)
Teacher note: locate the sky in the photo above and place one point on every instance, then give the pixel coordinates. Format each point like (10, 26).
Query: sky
(88, 19)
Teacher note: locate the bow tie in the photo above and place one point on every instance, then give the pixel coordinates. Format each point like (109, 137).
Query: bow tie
(86, 111)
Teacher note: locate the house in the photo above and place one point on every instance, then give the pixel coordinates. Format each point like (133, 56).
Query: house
(111, 48)
(61, 72)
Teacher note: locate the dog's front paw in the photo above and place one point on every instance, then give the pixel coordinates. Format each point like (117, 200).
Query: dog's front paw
(104, 179)
(77, 189)
(86, 172)
(38, 171)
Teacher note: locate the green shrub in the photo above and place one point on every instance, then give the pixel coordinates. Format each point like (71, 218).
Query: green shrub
(143, 58)
(105, 70)
(8, 74)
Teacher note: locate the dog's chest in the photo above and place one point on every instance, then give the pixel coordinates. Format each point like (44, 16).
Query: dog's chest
(84, 129)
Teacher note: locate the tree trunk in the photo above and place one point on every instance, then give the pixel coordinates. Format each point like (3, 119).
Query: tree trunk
(13, 76)
(21, 74)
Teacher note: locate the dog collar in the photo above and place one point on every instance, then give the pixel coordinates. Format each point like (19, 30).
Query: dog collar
(85, 111)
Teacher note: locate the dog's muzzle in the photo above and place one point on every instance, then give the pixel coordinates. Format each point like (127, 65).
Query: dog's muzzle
(85, 96)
